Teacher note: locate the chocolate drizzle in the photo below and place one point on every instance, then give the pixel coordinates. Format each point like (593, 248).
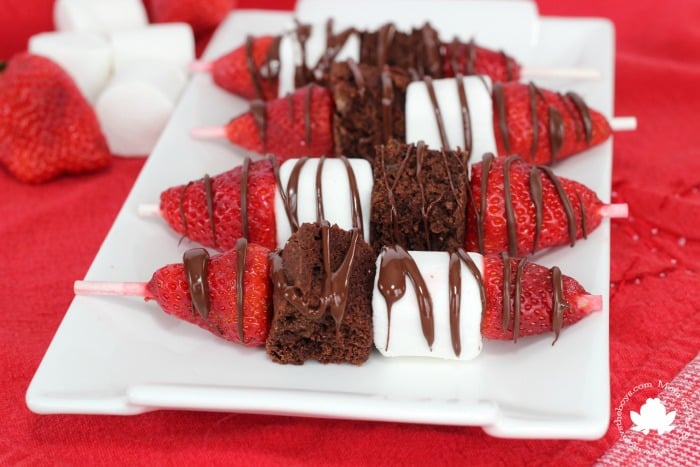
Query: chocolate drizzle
(357, 76)
(289, 195)
(243, 199)
(334, 293)
(195, 262)
(536, 195)
(556, 129)
(466, 120)
(396, 264)
(436, 111)
(209, 196)
(307, 114)
(241, 248)
(258, 109)
(252, 67)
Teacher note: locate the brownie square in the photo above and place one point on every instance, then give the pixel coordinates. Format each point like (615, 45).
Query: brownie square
(417, 52)
(304, 325)
(427, 190)
(361, 121)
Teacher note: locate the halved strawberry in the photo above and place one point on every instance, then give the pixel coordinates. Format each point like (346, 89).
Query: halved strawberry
(250, 70)
(295, 126)
(537, 304)
(561, 124)
(568, 209)
(170, 288)
(47, 128)
(187, 207)
(471, 59)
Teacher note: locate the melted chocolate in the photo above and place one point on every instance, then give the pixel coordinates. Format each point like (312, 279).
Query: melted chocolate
(258, 110)
(252, 67)
(384, 41)
(584, 114)
(244, 197)
(357, 76)
(556, 132)
(396, 264)
(209, 196)
(195, 262)
(289, 196)
(436, 111)
(536, 195)
(307, 114)
(336, 283)
(241, 248)
(466, 120)
(500, 105)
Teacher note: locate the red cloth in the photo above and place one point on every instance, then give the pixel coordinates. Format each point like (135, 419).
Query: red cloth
(50, 234)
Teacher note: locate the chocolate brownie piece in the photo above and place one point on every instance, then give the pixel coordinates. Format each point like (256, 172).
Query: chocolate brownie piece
(369, 107)
(417, 52)
(427, 191)
(322, 297)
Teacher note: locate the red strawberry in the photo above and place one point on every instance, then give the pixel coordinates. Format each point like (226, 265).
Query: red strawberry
(537, 301)
(226, 226)
(204, 17)
(249, 70)
(561, 125)
(556, 228)
(170, 288)
(47, 128)
(470, 59)
(295, 126)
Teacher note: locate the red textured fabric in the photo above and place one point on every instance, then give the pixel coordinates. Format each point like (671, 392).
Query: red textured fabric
(50, 234)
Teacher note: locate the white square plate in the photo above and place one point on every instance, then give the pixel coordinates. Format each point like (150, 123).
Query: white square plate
(120, 355)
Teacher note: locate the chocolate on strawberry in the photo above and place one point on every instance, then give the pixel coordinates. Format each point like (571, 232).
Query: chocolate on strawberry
(216, 211)
(47, 127)
(298, 125)
(544, 126)
(227, 294)
(520, 208)
(456, 298)
(372, 105)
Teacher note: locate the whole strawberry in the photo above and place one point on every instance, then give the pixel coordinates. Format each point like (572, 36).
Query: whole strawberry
(47, 128)
(204, 17)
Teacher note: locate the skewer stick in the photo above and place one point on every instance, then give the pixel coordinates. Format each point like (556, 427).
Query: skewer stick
(149, 210)
(200, 66)
(560, 73)
(211, 132)
(591, 302)
(614, 211)
(623, 123)
(135, 289)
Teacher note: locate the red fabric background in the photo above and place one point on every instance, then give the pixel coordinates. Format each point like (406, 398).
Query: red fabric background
(49, 235)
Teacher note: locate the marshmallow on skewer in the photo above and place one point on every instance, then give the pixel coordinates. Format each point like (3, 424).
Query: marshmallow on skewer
(136, 105)
(291, 55)
(422, 124)
(101, 16)
(168, 43)
(86, 56)
(336, 193)
(398, 327)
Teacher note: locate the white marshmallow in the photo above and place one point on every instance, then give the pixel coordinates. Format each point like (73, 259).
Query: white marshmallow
(421, 122)
(172, 43)
(337, 197)
(86, 56)
(290, 55)
(102, 16)
(136, 105)
(406, 337)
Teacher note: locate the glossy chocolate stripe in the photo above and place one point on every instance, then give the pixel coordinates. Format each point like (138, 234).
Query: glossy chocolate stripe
(387, 101)
(500, 109)
(557, 132)
(258, 110)
(209, 197)
(455, 299)
(566, 203)
(517, 311)
(559, 305)
(532, 90)
(307, 114)
(357, 75)
(395, 265)
(584, 113)
(320, 217)
(507, 273)
(584, 215)
(356, 204)
(244, 196)
(537, 200)
(466, 119)
(241, 249)
(511, 228)
(195, 262)
(436, 111)
(252, 67)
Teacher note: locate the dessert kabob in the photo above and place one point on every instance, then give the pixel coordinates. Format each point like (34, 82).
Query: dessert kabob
(312, 273)
(266, 67)
(364, 106)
